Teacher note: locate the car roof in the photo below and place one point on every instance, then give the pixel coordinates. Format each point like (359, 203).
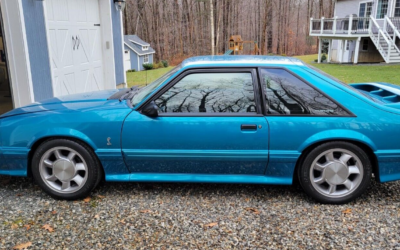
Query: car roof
(240, 60)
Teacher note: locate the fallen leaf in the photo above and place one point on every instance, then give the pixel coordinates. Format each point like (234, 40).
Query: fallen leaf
(210, 225)
(48, 228)
(347, 211)
(97, 216)
(19, 195)
(101, 196)
(145, 211)
(54, 212)
(87, 199)
(27, 226)
(252, 209)
(14, 226)
(23, 245)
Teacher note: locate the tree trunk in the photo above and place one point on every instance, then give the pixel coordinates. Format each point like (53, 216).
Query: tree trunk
(212, 26)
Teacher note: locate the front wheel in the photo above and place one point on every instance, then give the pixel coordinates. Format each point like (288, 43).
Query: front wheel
(335, 172)
(65, 169)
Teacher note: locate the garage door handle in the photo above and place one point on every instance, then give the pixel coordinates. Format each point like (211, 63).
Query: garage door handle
(79, 42)
(248, 127)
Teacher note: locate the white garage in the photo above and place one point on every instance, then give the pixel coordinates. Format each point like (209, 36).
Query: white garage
(68, 47)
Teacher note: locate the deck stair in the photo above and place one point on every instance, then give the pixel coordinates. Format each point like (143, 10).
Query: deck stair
(384, 37)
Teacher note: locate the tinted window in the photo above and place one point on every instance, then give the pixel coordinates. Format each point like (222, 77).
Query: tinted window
(288, 95)
(210, 93)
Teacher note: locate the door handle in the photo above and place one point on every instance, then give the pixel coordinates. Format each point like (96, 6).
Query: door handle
(79, 42)
(248, 127)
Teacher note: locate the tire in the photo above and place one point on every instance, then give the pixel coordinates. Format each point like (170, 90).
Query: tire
(335, 172)
(66, 169)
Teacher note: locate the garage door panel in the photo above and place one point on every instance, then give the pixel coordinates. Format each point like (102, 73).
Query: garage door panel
(61, 46)
(92, 11)
(58, 10)
(65, 84)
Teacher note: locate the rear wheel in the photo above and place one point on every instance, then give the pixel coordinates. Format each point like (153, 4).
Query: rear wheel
(66, 169)
(335, 172)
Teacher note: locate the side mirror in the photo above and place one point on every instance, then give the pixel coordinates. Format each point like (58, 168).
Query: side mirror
(150, 110)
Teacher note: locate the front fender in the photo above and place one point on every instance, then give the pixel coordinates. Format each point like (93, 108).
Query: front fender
(61, 132)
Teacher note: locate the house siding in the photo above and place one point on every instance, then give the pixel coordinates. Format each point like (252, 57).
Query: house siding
(118, 47)
(35, 26)
(348, 7)
(141, 59)
(134, 58)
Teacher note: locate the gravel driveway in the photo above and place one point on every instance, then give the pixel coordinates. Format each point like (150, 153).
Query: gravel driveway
(196, 216)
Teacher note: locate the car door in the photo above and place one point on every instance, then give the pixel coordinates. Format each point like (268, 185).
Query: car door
(209, 122)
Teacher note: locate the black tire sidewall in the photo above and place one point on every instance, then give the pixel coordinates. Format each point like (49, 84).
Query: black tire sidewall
(305, 168)
(94, 173)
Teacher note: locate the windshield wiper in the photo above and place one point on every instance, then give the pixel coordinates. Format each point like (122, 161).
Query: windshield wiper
(129, 94)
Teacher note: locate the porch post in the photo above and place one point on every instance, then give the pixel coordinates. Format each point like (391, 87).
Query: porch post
(330, 51)
(357, 51)
(319, 49)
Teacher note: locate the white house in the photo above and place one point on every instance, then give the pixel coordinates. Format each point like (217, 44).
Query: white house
(51, 48)
(137, 53)
(361, 31)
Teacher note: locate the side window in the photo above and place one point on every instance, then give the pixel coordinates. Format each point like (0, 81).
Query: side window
(285, 94)
(210, 93)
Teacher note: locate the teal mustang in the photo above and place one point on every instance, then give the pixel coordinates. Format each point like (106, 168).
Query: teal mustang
(221, 119)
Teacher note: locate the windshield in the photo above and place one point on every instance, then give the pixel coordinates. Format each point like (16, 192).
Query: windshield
(147, 90)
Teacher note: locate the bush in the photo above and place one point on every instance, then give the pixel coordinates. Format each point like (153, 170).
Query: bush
(323, 58)
(156, 66)
(165, 63)
(148, 66)
(130, 70)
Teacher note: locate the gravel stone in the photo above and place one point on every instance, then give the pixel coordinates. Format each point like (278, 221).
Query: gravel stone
(197, 216)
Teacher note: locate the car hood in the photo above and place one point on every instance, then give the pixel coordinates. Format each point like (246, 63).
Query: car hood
(384, 93)
(72, 102)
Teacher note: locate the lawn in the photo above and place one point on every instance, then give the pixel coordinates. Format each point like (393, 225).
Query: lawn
(358, 73)
(346, 72)
(143, 77)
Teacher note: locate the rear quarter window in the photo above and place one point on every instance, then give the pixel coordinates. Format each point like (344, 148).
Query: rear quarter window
(286, 94)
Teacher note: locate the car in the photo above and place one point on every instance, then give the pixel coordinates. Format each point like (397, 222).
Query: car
(213, 119)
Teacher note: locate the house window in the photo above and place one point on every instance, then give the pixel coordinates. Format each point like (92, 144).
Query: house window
(146, 59)
(364, 12)
(145, 47)
(397, 9)
(382, 9)
(126, 52)
(365, 45)
(348, 45)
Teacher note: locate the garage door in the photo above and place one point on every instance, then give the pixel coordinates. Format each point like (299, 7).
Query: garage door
(75, 45)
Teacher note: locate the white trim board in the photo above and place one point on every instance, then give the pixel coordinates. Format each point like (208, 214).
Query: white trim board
(145, 44)
(138, 52)
(17, 53)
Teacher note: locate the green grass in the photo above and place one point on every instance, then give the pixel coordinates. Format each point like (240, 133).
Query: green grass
(143, 77)
(357, 73)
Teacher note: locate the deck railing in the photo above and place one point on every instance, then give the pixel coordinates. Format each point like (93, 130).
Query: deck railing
(340, 26)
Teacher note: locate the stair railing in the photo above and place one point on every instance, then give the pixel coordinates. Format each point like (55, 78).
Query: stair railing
(377, 38)
(395, 31)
